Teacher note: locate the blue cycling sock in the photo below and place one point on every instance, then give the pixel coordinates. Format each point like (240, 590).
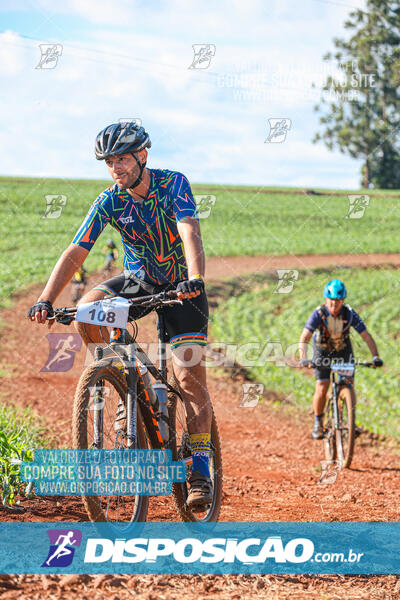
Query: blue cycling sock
(200, 443)
(200, 463)
(318, 418)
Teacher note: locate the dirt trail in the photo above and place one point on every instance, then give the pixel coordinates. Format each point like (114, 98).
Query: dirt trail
(270, 472)
(219, 267)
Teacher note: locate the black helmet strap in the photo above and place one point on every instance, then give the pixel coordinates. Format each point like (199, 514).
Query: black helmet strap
(139, 177)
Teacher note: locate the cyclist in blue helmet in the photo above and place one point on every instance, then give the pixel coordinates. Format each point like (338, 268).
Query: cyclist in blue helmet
(330, 325)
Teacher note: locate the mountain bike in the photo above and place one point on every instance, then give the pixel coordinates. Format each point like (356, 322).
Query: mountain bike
(113, 408)
(340, 413)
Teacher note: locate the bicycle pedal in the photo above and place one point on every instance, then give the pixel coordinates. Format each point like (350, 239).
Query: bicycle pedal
(198, 508)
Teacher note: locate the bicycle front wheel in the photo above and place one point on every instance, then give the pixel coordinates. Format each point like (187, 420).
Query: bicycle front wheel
(181, 450)
(330, 432)
(345, 434)
(106, 421)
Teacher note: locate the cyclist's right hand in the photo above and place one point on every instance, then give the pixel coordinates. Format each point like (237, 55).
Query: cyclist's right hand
(377, 362)
(39, 311)
(189, 288)
(305, 362)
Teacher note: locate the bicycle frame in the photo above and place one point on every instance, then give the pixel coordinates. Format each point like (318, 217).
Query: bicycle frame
(122, 345)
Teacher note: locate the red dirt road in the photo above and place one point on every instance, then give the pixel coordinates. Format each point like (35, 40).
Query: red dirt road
(270, 473)
(219, 267)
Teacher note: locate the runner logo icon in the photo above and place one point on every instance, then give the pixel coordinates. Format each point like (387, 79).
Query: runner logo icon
(54, 206)
(287, 277)
(61, 551)
(357, 206)
(278, 129)
(203, 53)
(63, 347)
(252, 392)
(50, 53)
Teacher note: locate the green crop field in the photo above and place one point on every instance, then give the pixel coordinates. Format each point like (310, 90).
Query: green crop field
(30, 244)
(243, 220)
(260, 221)
(273, 323)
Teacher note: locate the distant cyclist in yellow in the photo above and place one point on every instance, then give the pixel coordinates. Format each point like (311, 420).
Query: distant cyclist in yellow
(79, 281)
(330, 323)
(111, 252)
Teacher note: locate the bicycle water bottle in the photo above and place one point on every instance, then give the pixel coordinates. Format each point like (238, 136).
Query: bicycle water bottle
(162, 415)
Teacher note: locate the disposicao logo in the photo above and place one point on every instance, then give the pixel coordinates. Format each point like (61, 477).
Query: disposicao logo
(62, 550)
(190, 550)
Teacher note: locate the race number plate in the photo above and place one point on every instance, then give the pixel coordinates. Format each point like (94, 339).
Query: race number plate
(111, 312)
(345, 369)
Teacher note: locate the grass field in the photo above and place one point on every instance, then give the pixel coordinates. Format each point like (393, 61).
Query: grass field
(261, 222)
(263, 316)
(243, 220)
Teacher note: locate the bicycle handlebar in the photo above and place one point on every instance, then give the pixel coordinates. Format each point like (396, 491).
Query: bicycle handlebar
(66, 315)
(170, 297)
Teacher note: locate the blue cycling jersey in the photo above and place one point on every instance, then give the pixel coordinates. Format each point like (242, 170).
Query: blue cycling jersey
(153, 248)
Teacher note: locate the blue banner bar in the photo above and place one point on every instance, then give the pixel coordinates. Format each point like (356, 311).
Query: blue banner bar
(196, 548)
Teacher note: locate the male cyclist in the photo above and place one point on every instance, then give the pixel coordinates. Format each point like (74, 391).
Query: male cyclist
(331, 323)
(111, 252)
(156, 216)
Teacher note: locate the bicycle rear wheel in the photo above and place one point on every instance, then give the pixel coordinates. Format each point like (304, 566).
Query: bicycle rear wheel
(345, 435)
(330, 432)
(113, 509)
(180, 446)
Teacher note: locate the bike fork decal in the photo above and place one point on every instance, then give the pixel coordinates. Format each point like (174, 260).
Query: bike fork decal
(98, 415)
(153, 415)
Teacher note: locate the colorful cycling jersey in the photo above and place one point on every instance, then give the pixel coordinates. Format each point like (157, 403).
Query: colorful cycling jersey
(332, 331)
(153, 249)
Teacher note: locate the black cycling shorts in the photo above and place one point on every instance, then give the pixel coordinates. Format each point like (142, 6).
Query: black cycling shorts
(323, 358)
(185, 323)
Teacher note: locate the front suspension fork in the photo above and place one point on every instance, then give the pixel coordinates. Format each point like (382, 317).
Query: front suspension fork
(98, 405)
(335, 390)
(131, 399)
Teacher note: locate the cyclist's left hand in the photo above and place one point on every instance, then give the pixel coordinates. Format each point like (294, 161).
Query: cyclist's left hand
(305, 362)
(190, 288)
(377, 362)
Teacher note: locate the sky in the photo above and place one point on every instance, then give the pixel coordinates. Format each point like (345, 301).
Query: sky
(130, 59)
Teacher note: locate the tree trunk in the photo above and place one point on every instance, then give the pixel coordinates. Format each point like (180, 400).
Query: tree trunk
(366, 174)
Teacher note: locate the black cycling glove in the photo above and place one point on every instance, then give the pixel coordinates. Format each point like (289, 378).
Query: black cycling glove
(190, 285)
(39, 306)
(377, 362)
(305, 362)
